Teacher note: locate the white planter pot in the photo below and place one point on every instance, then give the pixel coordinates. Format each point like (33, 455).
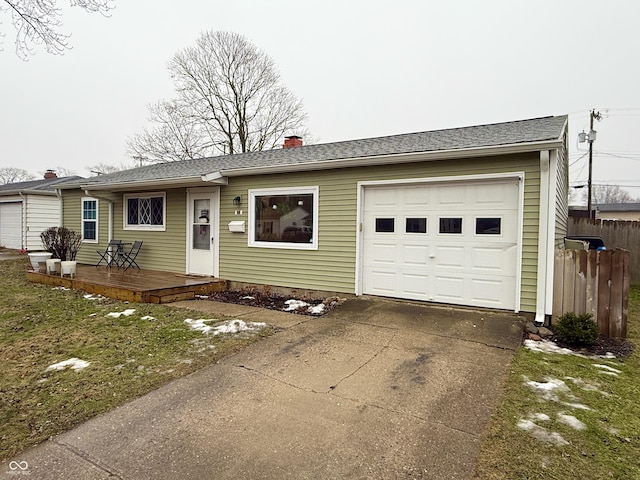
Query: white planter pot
(53, 266)
(68, 268)
(38, 257)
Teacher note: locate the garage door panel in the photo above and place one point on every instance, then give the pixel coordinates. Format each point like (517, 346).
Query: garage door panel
(414, 286)
(11, 225)
(474, 264)
(449, 256)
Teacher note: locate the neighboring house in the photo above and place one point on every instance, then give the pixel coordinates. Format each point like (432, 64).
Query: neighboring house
(618, 211)
(464, 216)
(28, 208)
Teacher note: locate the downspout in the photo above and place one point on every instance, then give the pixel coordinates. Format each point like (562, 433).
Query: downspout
(551, 237)
(24, 226)
(543, 235)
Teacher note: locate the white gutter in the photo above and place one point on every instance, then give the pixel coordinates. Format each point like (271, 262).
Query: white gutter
(165, 182)
(543, 235)
(395, 158)
(23, 226)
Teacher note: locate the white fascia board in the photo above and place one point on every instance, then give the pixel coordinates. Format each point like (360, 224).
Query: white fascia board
(396, 158)
(147, 184)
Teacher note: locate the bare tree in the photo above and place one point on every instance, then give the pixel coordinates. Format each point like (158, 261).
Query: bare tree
(104, 168)
(603, 194)
(178, 135)
(229, 100)
(14, 175)
(37, 22)
(64, 171)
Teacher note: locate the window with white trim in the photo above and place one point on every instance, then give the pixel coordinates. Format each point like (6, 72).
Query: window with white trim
(89, 219)
(284, 218)
(144, 211)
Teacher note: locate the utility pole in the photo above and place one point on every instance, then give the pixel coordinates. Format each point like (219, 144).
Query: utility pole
(590, 137)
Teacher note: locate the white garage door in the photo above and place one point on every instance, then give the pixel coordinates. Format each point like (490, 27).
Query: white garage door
(11, 225)
(451, 243)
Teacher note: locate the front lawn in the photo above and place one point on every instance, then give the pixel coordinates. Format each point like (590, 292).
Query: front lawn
(566, 416)
(131, 349)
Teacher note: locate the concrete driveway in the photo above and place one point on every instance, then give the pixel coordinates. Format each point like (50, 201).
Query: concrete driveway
(374, 389)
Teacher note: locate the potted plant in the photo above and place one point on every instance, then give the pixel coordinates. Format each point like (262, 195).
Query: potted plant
(63, 244)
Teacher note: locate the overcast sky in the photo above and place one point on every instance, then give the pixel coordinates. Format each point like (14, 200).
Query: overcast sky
(362, 69)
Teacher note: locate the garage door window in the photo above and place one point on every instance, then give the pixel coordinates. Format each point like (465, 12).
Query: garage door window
(284, 218)
(451, 225)
(488, 226)
(416, 225)
(385, 225)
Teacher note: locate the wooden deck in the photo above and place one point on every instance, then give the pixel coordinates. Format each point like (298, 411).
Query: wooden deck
(143, 286)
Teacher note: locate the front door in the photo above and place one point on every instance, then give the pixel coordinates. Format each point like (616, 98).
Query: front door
(202, 232)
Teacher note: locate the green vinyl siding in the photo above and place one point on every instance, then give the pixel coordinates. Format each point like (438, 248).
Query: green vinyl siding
(333, 266)
(161, 250)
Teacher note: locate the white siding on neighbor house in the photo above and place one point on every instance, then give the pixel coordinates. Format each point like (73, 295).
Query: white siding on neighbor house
(41, 212)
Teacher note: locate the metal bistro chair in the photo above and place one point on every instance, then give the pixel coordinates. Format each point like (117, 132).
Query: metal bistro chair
(127, 260)
(110, 254)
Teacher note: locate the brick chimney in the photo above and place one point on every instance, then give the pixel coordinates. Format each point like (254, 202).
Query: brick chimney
(292, 141)
(50, 174)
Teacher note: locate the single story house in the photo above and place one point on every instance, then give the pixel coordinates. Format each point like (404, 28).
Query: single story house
(463, 216)
(618, 211)
(28, 208)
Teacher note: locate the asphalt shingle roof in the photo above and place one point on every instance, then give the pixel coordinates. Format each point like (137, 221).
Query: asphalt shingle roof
(507, 133)
(34, 186)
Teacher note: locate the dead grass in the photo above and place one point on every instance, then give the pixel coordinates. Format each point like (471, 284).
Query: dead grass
(129, 356)
(609, 446)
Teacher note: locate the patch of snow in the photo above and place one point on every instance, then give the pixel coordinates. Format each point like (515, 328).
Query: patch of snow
(612, 374)
(552, 389)
(541, 416)
(230, 326)
(147, 317)
(572, 421)
(317, 309)
(541, 433)
(202, 296)
(93, 315)
(91, 296)
(293, 305)
(199, 325)
(126, 313)
(545, 346)
(248, 297)
(60, 288)
(73, 363)
(607, 369)
(586, 386)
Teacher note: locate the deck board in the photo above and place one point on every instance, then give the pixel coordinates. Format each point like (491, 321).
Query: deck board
(145, 286)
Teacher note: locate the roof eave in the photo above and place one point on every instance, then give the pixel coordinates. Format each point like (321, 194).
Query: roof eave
(392, 159)
(28, 192)
(195, 181)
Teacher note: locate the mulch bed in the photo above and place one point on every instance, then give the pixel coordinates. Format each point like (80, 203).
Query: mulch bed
(620, 348)
(273, 301)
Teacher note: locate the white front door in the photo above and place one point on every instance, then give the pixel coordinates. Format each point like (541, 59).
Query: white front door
(202, 231)
(452, 243)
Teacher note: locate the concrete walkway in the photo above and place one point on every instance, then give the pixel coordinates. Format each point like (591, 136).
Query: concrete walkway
(374, 389)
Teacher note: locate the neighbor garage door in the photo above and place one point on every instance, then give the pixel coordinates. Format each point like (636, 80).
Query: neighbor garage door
(442, 242)
(11, 225)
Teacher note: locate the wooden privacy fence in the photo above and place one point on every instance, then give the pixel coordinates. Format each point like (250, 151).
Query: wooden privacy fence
(596, 282)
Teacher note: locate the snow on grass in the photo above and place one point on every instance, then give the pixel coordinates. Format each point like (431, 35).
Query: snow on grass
(91, 296)
(578, 382)
(552, 389)
(230, 326)
(546, 346)
(607, 369)
(541, 433)
(317, 309)
(571, 421)
(60, 288)
(73, 363)
(126, 313)
(248, 297)
(202, 297)
(147, 317)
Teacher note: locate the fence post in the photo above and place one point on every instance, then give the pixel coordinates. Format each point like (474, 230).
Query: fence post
(604, 291)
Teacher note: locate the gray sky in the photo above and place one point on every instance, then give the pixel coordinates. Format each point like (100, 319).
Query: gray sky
(362, 68)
